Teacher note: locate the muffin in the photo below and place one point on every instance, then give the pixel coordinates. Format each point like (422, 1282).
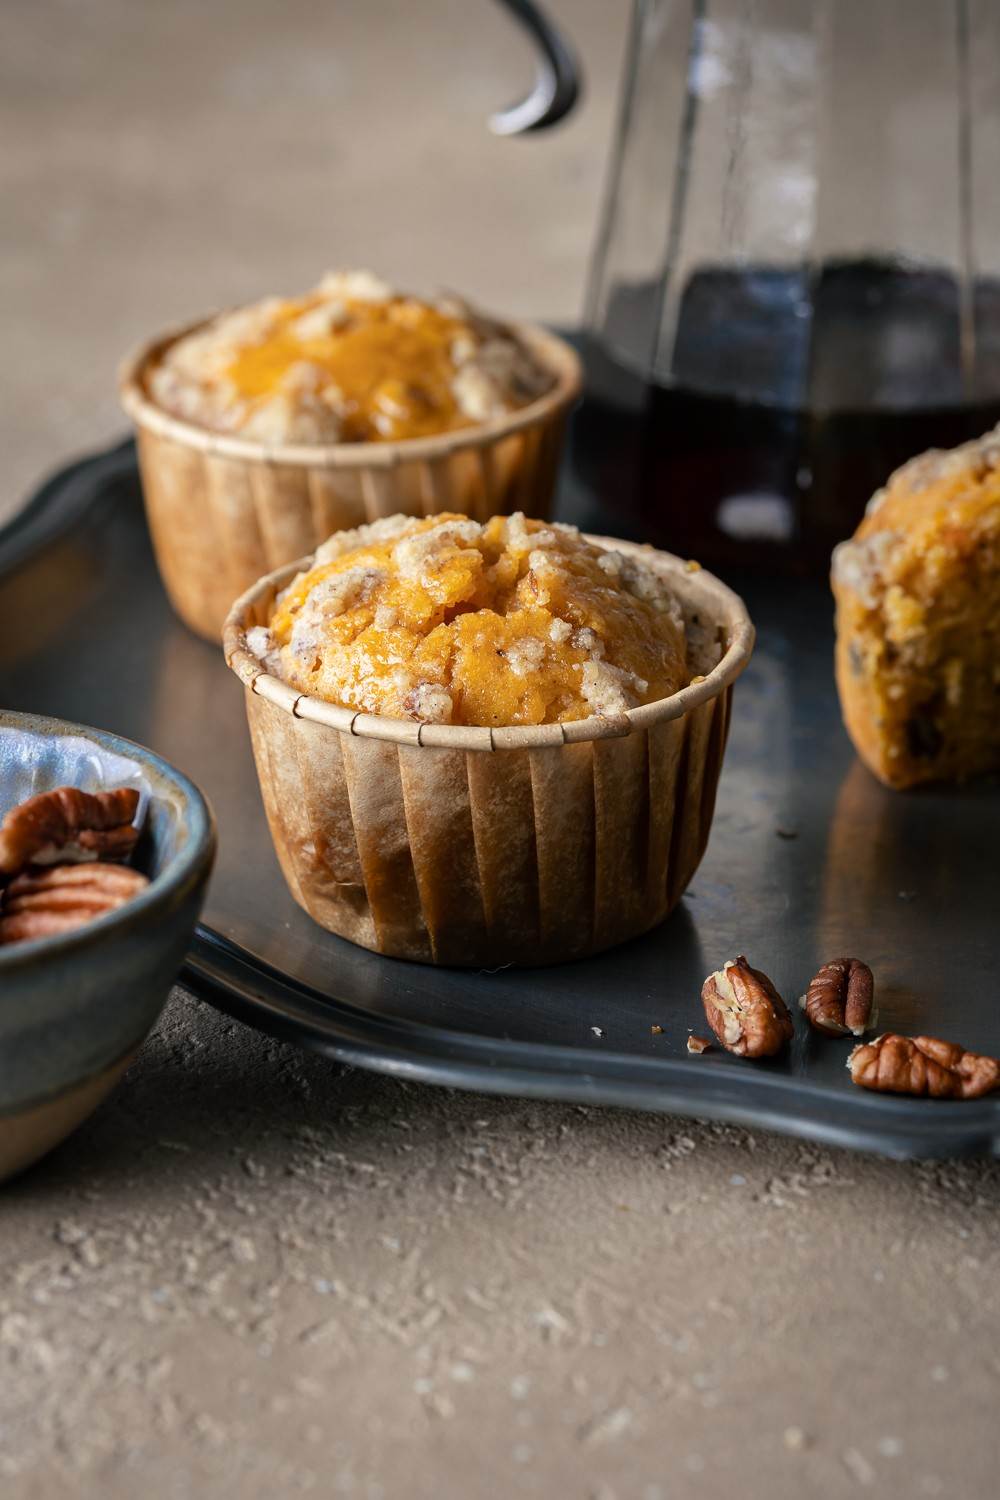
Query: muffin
(351, 362)
(918, 619)
(448, 621)
(262, 430)
(485, 743)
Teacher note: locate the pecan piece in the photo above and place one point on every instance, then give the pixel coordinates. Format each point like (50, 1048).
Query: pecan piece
(840, 1000)
(922, 1065)
(745, 1010)
(41, 902)
(67, 824)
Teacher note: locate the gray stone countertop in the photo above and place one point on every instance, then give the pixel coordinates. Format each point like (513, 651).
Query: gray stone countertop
(256, 1273)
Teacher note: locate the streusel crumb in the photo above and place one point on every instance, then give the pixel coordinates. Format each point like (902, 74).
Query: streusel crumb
(448, 621)
(918, 619)
(352, 361)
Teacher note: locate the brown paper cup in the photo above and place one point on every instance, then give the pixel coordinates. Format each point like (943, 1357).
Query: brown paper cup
(474, 846)
(223, 510)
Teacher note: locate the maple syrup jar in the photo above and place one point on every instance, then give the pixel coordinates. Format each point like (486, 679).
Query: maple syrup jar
(796, 281)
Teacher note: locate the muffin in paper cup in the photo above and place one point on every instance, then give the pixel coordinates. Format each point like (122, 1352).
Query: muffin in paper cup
(223, 509)
(470, 846)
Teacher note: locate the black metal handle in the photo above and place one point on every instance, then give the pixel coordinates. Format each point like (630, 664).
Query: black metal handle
(558, 80)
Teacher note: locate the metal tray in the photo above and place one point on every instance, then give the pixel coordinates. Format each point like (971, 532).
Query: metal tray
(809, 858)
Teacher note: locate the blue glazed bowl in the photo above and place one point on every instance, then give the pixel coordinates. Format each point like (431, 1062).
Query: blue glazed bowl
(75, 1007)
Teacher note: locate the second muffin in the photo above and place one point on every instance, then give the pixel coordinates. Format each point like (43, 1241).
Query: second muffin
(265, 429)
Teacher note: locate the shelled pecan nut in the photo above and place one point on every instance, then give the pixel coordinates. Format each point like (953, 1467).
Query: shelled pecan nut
(840, 1000)
(745, 1010)
(923, 1066)
(57, 898)
(68, 825)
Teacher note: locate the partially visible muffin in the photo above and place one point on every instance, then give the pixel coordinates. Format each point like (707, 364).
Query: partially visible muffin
(352, 361)
(918, 619)
(450, 621)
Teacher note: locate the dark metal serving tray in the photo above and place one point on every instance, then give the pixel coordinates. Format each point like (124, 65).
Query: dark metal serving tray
(809, 858)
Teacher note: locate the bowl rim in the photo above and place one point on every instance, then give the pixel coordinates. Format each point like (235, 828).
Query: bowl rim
(183, 872)
(692, 582)
(557, 356)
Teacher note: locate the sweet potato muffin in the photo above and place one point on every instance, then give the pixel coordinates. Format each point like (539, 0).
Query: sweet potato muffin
(918, 619)
(351, 362)
(450, 621)
(263, 431)
(484, 744)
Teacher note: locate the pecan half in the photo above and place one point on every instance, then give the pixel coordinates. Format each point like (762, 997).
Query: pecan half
(41, 902)
(923, 1065)
(745, 1010)
(840, 1000)
(67, 824)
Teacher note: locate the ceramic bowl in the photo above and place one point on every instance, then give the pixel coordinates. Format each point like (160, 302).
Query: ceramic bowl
(75, 1007)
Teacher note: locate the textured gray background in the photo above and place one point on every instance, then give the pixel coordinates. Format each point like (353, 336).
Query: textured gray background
(255, 1273)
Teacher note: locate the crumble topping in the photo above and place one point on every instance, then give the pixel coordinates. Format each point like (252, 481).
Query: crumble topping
(443, 620)
(859, 564)
(918, 604)
(352, 361)
(261, 643)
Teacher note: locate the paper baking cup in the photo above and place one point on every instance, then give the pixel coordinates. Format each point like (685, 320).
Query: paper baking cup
(476, 846)
(223, 510)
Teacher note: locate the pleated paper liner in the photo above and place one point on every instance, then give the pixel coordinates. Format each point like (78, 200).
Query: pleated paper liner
(223, 510)
(477, 846)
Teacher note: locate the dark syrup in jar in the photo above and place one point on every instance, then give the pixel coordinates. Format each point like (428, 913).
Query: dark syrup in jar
(877, 370)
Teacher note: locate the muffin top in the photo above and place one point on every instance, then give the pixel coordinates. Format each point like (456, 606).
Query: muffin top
(447, 621)
(939, 511)
(351, 362)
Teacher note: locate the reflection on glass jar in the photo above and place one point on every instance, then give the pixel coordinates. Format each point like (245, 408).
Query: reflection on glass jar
(796, 284)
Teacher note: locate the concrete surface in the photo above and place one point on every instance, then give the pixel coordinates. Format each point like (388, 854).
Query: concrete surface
(256, 1274)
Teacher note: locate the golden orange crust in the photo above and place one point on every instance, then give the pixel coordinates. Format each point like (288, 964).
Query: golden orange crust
(918, 619)
(448, 621)
(350, 362)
